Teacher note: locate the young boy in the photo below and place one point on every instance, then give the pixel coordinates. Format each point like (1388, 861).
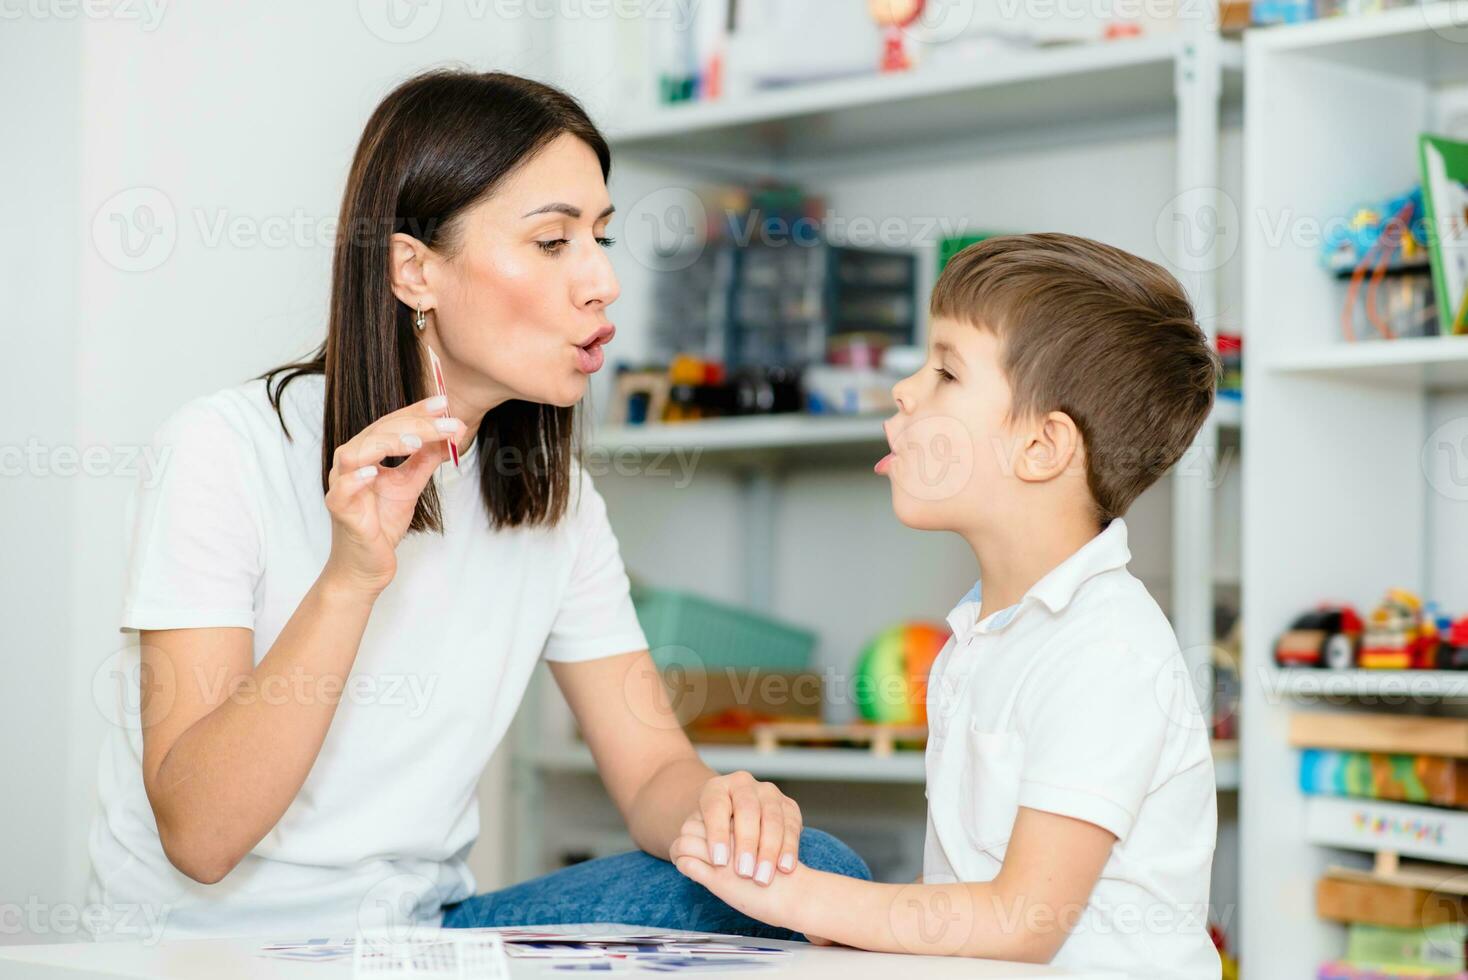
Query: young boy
(1071, 797)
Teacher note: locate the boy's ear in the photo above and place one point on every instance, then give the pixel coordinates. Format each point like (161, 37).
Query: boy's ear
(1053, 446)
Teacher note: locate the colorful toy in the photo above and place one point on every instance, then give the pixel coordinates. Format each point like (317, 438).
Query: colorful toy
(1452, 652)
(891, 682)
(1324, 637)
(1395, 637)
(892, 16)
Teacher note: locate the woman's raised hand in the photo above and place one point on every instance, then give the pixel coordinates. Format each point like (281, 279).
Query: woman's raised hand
(371, 505)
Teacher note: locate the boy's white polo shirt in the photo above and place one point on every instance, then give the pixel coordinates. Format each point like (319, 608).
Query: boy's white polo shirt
(1076, 701)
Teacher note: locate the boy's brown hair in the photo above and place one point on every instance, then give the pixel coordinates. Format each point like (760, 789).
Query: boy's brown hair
(1100, 334)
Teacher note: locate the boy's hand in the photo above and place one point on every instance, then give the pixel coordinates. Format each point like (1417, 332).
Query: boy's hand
(776, 905)
(751, 826)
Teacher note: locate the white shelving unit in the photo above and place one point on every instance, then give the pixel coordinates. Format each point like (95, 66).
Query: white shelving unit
(1335, 496)
(828, 765)
(1177, 83)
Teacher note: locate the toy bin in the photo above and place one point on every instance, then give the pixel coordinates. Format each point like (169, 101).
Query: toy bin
(695, 633)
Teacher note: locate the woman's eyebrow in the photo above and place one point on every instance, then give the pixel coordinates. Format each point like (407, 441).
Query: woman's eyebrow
(570, 210)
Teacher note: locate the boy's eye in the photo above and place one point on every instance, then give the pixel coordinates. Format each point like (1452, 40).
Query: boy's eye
(552, 246)
(943, 374)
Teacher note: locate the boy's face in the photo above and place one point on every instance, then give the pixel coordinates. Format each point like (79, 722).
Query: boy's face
(951, 439)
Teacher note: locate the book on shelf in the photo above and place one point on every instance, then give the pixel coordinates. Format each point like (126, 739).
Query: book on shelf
(1438, 948)
(1445, 197)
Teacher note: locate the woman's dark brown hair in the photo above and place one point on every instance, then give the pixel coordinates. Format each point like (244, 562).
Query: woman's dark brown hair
(437, 145)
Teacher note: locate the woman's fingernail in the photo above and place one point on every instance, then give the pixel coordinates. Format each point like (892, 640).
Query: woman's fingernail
(366, 473)
(787, 862)
(746, 865)
(721, 854)
(411, 441)
(765, 873)
(437, 403)
(446, 425)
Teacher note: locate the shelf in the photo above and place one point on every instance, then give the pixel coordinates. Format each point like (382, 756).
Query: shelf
(1391, 687)
(828, 765)
(1429, 362)
(754, 432)
(778, 433)
(1036, 89)
(1422, 43)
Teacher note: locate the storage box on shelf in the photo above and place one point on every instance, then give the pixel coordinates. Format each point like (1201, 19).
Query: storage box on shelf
(1334, 484)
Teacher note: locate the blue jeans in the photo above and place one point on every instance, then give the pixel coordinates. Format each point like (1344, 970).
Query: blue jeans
(638, 889)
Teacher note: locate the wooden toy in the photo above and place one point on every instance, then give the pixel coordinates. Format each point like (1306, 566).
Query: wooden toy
(1381, 903)
(1324, 637)
(881, 739)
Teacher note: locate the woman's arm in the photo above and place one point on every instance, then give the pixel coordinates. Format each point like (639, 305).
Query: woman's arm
(227, 744)
(656, 778)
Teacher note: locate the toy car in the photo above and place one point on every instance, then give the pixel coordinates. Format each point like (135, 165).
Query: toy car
(1324, 637)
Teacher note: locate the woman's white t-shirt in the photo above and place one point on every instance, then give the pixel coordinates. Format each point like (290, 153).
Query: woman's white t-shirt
(233, 534)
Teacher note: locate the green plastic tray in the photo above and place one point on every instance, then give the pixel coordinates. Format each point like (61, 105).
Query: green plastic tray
(695, 633)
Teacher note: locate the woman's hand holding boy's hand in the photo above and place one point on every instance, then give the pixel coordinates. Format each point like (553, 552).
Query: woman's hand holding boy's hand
(777, 905)
(751, 827)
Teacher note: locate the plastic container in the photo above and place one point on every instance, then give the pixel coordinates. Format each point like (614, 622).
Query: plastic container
(695, 633)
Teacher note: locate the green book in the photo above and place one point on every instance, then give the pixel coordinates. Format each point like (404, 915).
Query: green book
(1437, 948)
(1444, 165)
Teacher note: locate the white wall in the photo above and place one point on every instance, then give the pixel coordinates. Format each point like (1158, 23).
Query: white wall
(210, 114)
(39, 251)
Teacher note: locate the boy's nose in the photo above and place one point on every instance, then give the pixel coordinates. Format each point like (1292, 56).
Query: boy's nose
(904, 403)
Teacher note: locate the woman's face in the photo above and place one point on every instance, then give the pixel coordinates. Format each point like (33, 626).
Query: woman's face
(519, 309)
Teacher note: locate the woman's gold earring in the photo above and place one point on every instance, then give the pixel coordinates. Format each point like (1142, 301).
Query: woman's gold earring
(420, 321)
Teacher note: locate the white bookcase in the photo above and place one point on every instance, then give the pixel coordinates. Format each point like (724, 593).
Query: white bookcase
(1336, 499)
(1171, 85)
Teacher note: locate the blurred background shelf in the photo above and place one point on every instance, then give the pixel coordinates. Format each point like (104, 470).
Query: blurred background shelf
(1431, 362)
(1446, 685)
(827, 765)
(781, 432)
(1027, 90)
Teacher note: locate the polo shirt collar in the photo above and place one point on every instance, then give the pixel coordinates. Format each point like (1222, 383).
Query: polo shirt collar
(1106, 551)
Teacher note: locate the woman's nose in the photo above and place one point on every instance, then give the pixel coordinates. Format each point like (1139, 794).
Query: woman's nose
(597, 281)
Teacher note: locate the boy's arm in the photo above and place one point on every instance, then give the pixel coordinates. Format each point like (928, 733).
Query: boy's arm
(1025, 914)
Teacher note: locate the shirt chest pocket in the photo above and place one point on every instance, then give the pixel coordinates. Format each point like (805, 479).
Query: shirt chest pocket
(989, 786)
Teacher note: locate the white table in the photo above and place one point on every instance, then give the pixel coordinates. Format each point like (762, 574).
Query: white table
(239, 959)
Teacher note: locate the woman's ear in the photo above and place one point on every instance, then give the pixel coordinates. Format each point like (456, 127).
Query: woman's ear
(1054, 445)
(407, 263)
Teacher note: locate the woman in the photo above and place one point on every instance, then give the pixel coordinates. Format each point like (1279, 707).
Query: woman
(337, 623)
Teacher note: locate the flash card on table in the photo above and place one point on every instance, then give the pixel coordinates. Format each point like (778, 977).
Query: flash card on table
(442, 390)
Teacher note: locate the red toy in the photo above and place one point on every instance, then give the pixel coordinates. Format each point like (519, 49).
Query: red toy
(893, 16)
(1325, 637)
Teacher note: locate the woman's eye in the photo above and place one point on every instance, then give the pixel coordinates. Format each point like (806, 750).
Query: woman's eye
(605, 242)
(553, 246)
